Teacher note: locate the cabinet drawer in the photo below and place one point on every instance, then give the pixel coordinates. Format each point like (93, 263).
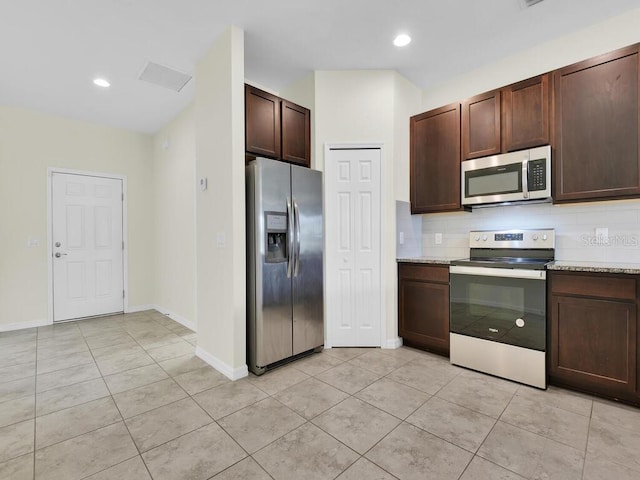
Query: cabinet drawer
(428, 273)
(614, 287)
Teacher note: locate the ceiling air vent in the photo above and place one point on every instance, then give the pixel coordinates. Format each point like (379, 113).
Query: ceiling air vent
(530, 3)
(164, 76)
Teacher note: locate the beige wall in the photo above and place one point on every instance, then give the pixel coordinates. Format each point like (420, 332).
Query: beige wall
(370, 107)
(220, 210)
(406, 103)
(174, 214)
(30, 142)
(609, 35)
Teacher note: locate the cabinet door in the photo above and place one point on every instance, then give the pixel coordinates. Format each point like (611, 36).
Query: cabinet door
(481, 125)
(262, 123)
(596, 128)
(435, 160)
(525, 114)
(423, 307)
(593, 345)
(296, 134)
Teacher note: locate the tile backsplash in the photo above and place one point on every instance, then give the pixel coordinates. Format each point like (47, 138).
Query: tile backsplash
(408, 232)
(575, 226)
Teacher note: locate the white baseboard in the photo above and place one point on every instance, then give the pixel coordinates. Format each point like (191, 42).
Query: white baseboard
(174, 316)
(227, 370)
(392, 343)
(22, 325)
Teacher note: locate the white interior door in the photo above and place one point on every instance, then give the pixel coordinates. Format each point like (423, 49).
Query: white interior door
(353, 223)
(88, 275)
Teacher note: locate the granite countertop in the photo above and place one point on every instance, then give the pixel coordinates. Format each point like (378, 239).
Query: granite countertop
(432, 260)
(559, 265)
(595, 267)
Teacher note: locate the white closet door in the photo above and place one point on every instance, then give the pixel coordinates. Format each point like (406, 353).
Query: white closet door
(353, 249)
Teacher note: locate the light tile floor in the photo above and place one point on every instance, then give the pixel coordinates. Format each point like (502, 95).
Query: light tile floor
(124, 397)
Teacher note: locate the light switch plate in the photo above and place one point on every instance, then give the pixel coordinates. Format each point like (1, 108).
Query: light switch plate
(401, 238)
(438, 238)
(221, 240)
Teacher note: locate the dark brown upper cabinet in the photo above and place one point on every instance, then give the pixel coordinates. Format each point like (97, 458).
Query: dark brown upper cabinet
(435, 160)
(276, 128)
(296, 133)
(526, 113)
(508, 119)
(596, 131)
(262, 123)
(481, 125)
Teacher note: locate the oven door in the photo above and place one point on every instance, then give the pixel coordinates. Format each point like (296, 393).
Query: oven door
(499, 304)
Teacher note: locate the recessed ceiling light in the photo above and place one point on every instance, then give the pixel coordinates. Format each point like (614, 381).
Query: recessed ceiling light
(101, 82)
(402, 40)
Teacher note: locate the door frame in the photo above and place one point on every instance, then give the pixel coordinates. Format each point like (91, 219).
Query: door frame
(383, 301)
(125, 236)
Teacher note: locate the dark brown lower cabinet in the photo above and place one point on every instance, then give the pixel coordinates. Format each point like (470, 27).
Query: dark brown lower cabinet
(593, 335)
(423, 306)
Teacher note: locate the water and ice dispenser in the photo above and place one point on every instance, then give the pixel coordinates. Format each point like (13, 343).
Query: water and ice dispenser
(276, 237)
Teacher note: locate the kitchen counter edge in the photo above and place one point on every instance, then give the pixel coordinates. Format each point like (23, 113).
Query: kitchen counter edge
(595, 267)
(430, 260)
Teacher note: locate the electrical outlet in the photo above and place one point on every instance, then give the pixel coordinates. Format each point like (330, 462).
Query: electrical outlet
(401, 238)
(438, 238)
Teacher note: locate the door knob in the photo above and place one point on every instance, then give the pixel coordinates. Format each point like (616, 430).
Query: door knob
(58, 244)
(58, 254)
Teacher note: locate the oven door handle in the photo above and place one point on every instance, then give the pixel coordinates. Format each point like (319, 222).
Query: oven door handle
(499, 272)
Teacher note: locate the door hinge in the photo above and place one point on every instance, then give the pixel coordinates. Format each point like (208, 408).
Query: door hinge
(122, 293)
(123, 244)
(123, 197)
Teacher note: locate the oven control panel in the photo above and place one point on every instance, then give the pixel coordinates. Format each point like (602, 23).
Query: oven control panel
(507, 237)
(538, 238)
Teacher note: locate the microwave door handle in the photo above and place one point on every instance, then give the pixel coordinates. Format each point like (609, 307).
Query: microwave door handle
(525, 179)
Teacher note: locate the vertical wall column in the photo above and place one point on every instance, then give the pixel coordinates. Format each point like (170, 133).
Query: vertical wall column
(220, 209)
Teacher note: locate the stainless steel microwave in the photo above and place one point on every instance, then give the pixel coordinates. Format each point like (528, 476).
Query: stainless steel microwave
(510, 177)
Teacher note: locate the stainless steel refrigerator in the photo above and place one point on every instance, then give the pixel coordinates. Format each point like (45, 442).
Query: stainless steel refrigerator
(284, 262)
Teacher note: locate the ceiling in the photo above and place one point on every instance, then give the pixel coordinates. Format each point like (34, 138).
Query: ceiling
(50, 50)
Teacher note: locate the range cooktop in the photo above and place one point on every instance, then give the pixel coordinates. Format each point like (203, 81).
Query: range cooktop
(522, 249)
(505, 262)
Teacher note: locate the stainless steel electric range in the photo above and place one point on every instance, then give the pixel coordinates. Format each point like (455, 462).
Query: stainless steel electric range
(498, 321)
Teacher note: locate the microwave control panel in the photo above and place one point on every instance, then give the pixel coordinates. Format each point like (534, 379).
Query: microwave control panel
(537, 174)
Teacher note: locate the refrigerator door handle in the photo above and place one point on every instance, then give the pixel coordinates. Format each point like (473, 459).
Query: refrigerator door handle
(289, 239)
(296, 215)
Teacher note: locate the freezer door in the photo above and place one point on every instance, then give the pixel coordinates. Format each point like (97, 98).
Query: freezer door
(308, 314)
(269, 313)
